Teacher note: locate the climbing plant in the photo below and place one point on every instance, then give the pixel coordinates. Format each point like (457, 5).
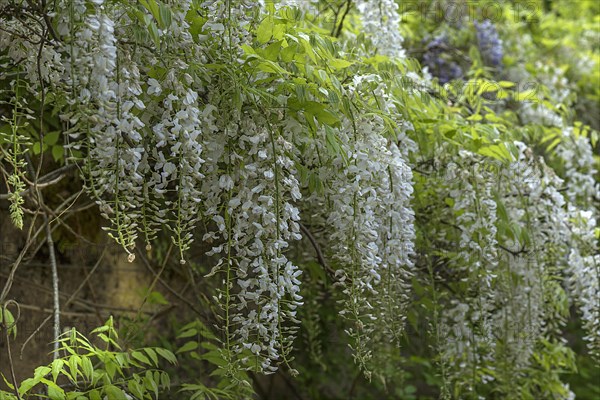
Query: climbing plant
(423, 188)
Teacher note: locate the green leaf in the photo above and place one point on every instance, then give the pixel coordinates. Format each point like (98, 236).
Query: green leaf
(136, 388)
(56, 368)
(189, 346)
(339, 63)
(164, 16)
(111, 368)
(76, 396)
(57, 153)
(157, 298)
(497, 151)
(27, 384)
(150, 383)
(141, 357)
(153, 30)
(271, 67)
(188, 333)
(6, 318)
(87, 367)
(51, 138)
(331, 141)
(263, 32)
(165, 380)
(215, 357)
(101, 329)
(94, 395)
(289, 53)
(166, 354)
(270, 28)
(41, 372)
(6, 382)
(151, 6)
(152, 354)
(114, 393)
(529, 95)
(272, 51)
(74, 362)
(55, 392)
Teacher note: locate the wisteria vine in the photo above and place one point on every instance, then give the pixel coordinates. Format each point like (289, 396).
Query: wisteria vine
(201, 121)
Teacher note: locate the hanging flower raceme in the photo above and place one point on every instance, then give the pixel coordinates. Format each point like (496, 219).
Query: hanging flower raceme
(381, 23)
(24, 41)
(575, 153)
(176, 148)
(304, 5)
(114, 140)
(207, 119)
(142, 181)
(395, 241)
(258, 187)
(228, 24)
(538, 236)
(512, 225)
(539, 114)
(584, 270)
(371, 235)
(466, 325)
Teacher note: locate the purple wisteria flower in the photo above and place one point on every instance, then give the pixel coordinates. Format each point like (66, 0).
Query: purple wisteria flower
(489, 43)
(439, 62)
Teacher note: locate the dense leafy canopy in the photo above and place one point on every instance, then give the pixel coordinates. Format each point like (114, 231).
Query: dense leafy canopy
(426, 170)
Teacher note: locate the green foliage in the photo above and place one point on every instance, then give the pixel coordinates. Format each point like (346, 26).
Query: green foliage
(203, 347)
(87, 371)
(315, 85)
(8, 323)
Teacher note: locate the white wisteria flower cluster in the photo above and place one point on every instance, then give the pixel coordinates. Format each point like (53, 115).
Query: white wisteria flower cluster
(370, 223)
(381, 22)
(228, 124)
(372, 235)
(260, 222)
(513, 271)
(467, 325)
(583, 192)
(535, 207)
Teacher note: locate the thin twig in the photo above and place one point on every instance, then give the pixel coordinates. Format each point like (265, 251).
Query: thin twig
(87, 304)
(55, 293)
(11, 365)
(40, 201)
(39, 328)
(317, 248)
(59, 212)
(67, 302)
(74, 314)
(65, 225)
(8, 351)
(152, 285)
(45, 181)
(13, 270)
(341, 24)
(167, 286)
